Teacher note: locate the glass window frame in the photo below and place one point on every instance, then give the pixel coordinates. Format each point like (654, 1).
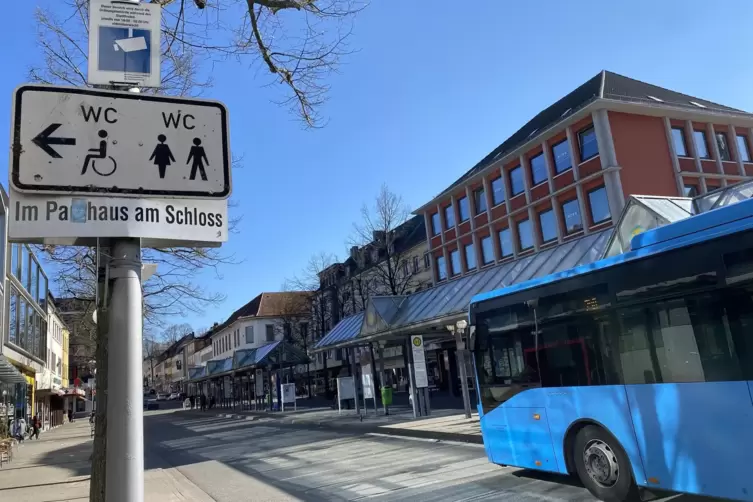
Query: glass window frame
(441, 265)
(682, 141)
(543, 166)
(697, 136)
(529, 233)
(557, 169)
(722, 140)
(488, 239)
(548, 213)
(455, 256)
(742, 140)
(463, 202)
(591, 208)
(564, 216)
(480, 205)
(501, 183)
(507, 232)
(515, 171)
(436, 224)
(581, 135)
(685, 192)
(449, 221)
(470, 257)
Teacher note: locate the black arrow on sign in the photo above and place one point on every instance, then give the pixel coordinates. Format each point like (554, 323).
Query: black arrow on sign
(44, 141)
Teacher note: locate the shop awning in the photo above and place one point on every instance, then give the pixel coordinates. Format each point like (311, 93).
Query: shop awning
(197, 373)
(387, 317)
(8, 373)
(272, 354)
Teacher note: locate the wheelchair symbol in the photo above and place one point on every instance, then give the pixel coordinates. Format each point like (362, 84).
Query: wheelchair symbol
(99, 153)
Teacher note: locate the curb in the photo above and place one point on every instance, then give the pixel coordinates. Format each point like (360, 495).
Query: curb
(366, 428)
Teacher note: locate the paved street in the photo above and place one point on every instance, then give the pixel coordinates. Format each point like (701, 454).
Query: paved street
(264, 460)
(197, 458)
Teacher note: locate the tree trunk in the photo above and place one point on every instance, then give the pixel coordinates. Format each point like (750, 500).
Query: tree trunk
(99, 455)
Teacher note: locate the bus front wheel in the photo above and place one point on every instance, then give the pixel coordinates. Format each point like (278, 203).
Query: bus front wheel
(603, 466)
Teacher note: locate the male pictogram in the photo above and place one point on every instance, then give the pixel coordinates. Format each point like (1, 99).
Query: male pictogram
(162, 156)
(199, 157)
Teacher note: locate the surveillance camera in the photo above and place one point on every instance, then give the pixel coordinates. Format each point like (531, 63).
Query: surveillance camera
(200, 3)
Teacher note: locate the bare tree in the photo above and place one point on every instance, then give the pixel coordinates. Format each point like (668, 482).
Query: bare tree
(298, 42)
(324, 307)
(382, 242)
(294, 315)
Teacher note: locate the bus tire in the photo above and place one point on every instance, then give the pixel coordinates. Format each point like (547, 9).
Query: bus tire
(603, 466)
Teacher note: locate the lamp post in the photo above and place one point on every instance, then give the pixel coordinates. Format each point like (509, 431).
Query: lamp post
(457, 331)
(5, 403)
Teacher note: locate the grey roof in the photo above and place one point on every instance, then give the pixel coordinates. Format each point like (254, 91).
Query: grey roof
(605, 85)
(453, 298)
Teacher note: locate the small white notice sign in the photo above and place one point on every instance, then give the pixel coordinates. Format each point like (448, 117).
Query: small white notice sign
(124, 43)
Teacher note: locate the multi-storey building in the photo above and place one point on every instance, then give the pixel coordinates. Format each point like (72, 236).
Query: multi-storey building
(50, 404)
(569, 170)
(548, 198)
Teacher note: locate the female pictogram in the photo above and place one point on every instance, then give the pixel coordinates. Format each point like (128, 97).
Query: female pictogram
(162, 156)
(199, 157)
(101, 153)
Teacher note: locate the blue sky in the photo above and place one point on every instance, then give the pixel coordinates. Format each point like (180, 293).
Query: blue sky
(433, 88)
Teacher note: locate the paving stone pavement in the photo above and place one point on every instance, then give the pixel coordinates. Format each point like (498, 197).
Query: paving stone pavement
(266, 460)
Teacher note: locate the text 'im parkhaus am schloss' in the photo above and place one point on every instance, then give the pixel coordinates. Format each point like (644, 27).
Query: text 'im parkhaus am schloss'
(82, 210)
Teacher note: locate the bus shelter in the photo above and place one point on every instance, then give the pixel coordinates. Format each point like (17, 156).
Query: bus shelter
(243, 381)
(439, 314)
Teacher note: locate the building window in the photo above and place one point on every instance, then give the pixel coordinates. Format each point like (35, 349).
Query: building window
(538, 169)
(455, 262)
(599, 203)
(441, 268)
(14, 315)
(270, 330)
(561, 156)
(589, 148)
(303, 329)
(427, 261)
(678, 139)
(723, 146)
(571, 214)
(15, 255)
(415, 264)
(479, 200)
(436, 226)
(498, 191)
(505, 242)
(690, 190)
(463, 209)
(742, 147)
(548, 225)
(525, 234)
(470, 257)
(449, 217)
(406, 271)
(701, 147)
(517, 184)
(487, 250)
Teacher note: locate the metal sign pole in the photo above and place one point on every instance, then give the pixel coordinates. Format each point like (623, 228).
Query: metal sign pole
(125, 415)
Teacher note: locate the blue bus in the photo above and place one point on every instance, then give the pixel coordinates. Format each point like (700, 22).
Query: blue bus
(635, 372)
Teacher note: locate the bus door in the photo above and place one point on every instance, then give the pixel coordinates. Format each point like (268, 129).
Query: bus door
(514, 421)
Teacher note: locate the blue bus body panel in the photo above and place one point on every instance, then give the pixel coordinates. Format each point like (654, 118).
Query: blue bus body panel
(703, 227)
(606, 405)
(696, 437)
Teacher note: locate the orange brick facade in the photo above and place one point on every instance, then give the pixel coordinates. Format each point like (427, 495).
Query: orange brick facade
(636, 155)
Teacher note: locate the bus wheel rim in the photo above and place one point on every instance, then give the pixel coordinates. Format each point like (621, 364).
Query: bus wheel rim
(601, 463)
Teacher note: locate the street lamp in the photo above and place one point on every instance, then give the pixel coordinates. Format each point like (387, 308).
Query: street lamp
(457, 330)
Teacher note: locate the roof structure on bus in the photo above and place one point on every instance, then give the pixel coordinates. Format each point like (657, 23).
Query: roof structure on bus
(389, 314)
(702, 227)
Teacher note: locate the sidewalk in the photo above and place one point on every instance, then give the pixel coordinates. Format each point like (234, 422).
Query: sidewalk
(56, 468)
(448, 425)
